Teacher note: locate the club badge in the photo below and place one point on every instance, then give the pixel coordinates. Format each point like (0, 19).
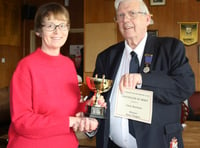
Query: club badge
(147, 62)
(174, 143)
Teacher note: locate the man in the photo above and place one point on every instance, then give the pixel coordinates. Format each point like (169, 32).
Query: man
(163, 69)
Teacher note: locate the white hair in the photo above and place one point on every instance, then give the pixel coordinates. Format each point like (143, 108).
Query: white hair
(143, 6)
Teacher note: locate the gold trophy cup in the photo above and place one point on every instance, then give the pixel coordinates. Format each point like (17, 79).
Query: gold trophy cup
(98, 86)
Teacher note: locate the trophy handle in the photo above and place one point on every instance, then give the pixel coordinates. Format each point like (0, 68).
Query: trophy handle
(90, 84)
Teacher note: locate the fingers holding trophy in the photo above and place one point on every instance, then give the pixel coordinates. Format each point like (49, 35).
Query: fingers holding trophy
(98, 86)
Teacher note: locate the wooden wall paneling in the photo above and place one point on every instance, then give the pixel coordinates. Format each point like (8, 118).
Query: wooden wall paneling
(109, 11)
(26, 29)
(98, 36)
(75, 37)
(10, 39)
(94, 13)
(40, 2)
(163, 18)
(10, 13)
(188, 11)
(12, 56)
(98, 11)
(76, 13)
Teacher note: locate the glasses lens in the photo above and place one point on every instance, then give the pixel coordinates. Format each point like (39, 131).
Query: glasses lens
(132, 14)
(50, 26)
(63, 26)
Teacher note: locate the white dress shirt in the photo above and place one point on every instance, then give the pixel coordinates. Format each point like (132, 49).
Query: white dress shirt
(119, 129)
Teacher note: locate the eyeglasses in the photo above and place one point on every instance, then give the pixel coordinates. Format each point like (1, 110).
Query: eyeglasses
(52, 26)
(131, 14)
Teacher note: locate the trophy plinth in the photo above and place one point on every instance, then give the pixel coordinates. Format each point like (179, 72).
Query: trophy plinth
(98, 86)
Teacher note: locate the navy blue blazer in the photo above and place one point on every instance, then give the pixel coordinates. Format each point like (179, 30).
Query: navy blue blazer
(170, 78)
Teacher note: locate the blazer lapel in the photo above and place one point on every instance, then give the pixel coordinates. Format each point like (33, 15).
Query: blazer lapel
(149, 49)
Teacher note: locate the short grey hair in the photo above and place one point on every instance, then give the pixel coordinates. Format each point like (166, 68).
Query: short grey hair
(143, 6)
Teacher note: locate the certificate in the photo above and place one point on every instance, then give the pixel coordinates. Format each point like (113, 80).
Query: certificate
(135, 104)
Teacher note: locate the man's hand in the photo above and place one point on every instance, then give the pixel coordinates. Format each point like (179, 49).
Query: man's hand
(101, 101)
(130, 80)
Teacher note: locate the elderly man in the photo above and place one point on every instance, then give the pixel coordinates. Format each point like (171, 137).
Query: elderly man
(163, 69)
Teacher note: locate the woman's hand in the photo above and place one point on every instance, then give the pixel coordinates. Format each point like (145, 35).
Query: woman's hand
(83, 124)
(74, 122)
(88, 124)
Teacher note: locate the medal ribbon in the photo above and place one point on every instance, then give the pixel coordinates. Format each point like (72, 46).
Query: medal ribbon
(147, 60)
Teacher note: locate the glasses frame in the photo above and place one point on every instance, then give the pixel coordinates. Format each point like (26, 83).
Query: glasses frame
(56, 26)
(131, 15)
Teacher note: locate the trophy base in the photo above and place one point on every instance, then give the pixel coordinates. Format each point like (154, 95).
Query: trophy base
(96, 112)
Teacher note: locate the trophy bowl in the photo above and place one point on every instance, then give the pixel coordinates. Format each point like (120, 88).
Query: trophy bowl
(98, 86)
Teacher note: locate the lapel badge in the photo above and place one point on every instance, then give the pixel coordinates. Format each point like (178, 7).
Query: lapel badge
(174, 143)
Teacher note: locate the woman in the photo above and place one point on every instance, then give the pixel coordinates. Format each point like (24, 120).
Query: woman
(44, 93)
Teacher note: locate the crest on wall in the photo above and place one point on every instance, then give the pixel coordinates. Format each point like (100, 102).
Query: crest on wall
(189, 32)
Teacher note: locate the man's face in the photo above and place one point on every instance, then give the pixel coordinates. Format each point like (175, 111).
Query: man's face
(132, 20)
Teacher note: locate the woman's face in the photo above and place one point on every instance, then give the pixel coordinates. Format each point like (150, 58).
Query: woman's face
(54, 33)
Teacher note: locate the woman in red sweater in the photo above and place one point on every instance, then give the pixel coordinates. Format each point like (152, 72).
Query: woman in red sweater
(44, 92)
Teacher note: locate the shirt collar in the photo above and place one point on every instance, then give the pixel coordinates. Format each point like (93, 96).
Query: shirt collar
(139, 49)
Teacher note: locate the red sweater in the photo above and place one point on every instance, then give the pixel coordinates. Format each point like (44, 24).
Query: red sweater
(44, 93)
